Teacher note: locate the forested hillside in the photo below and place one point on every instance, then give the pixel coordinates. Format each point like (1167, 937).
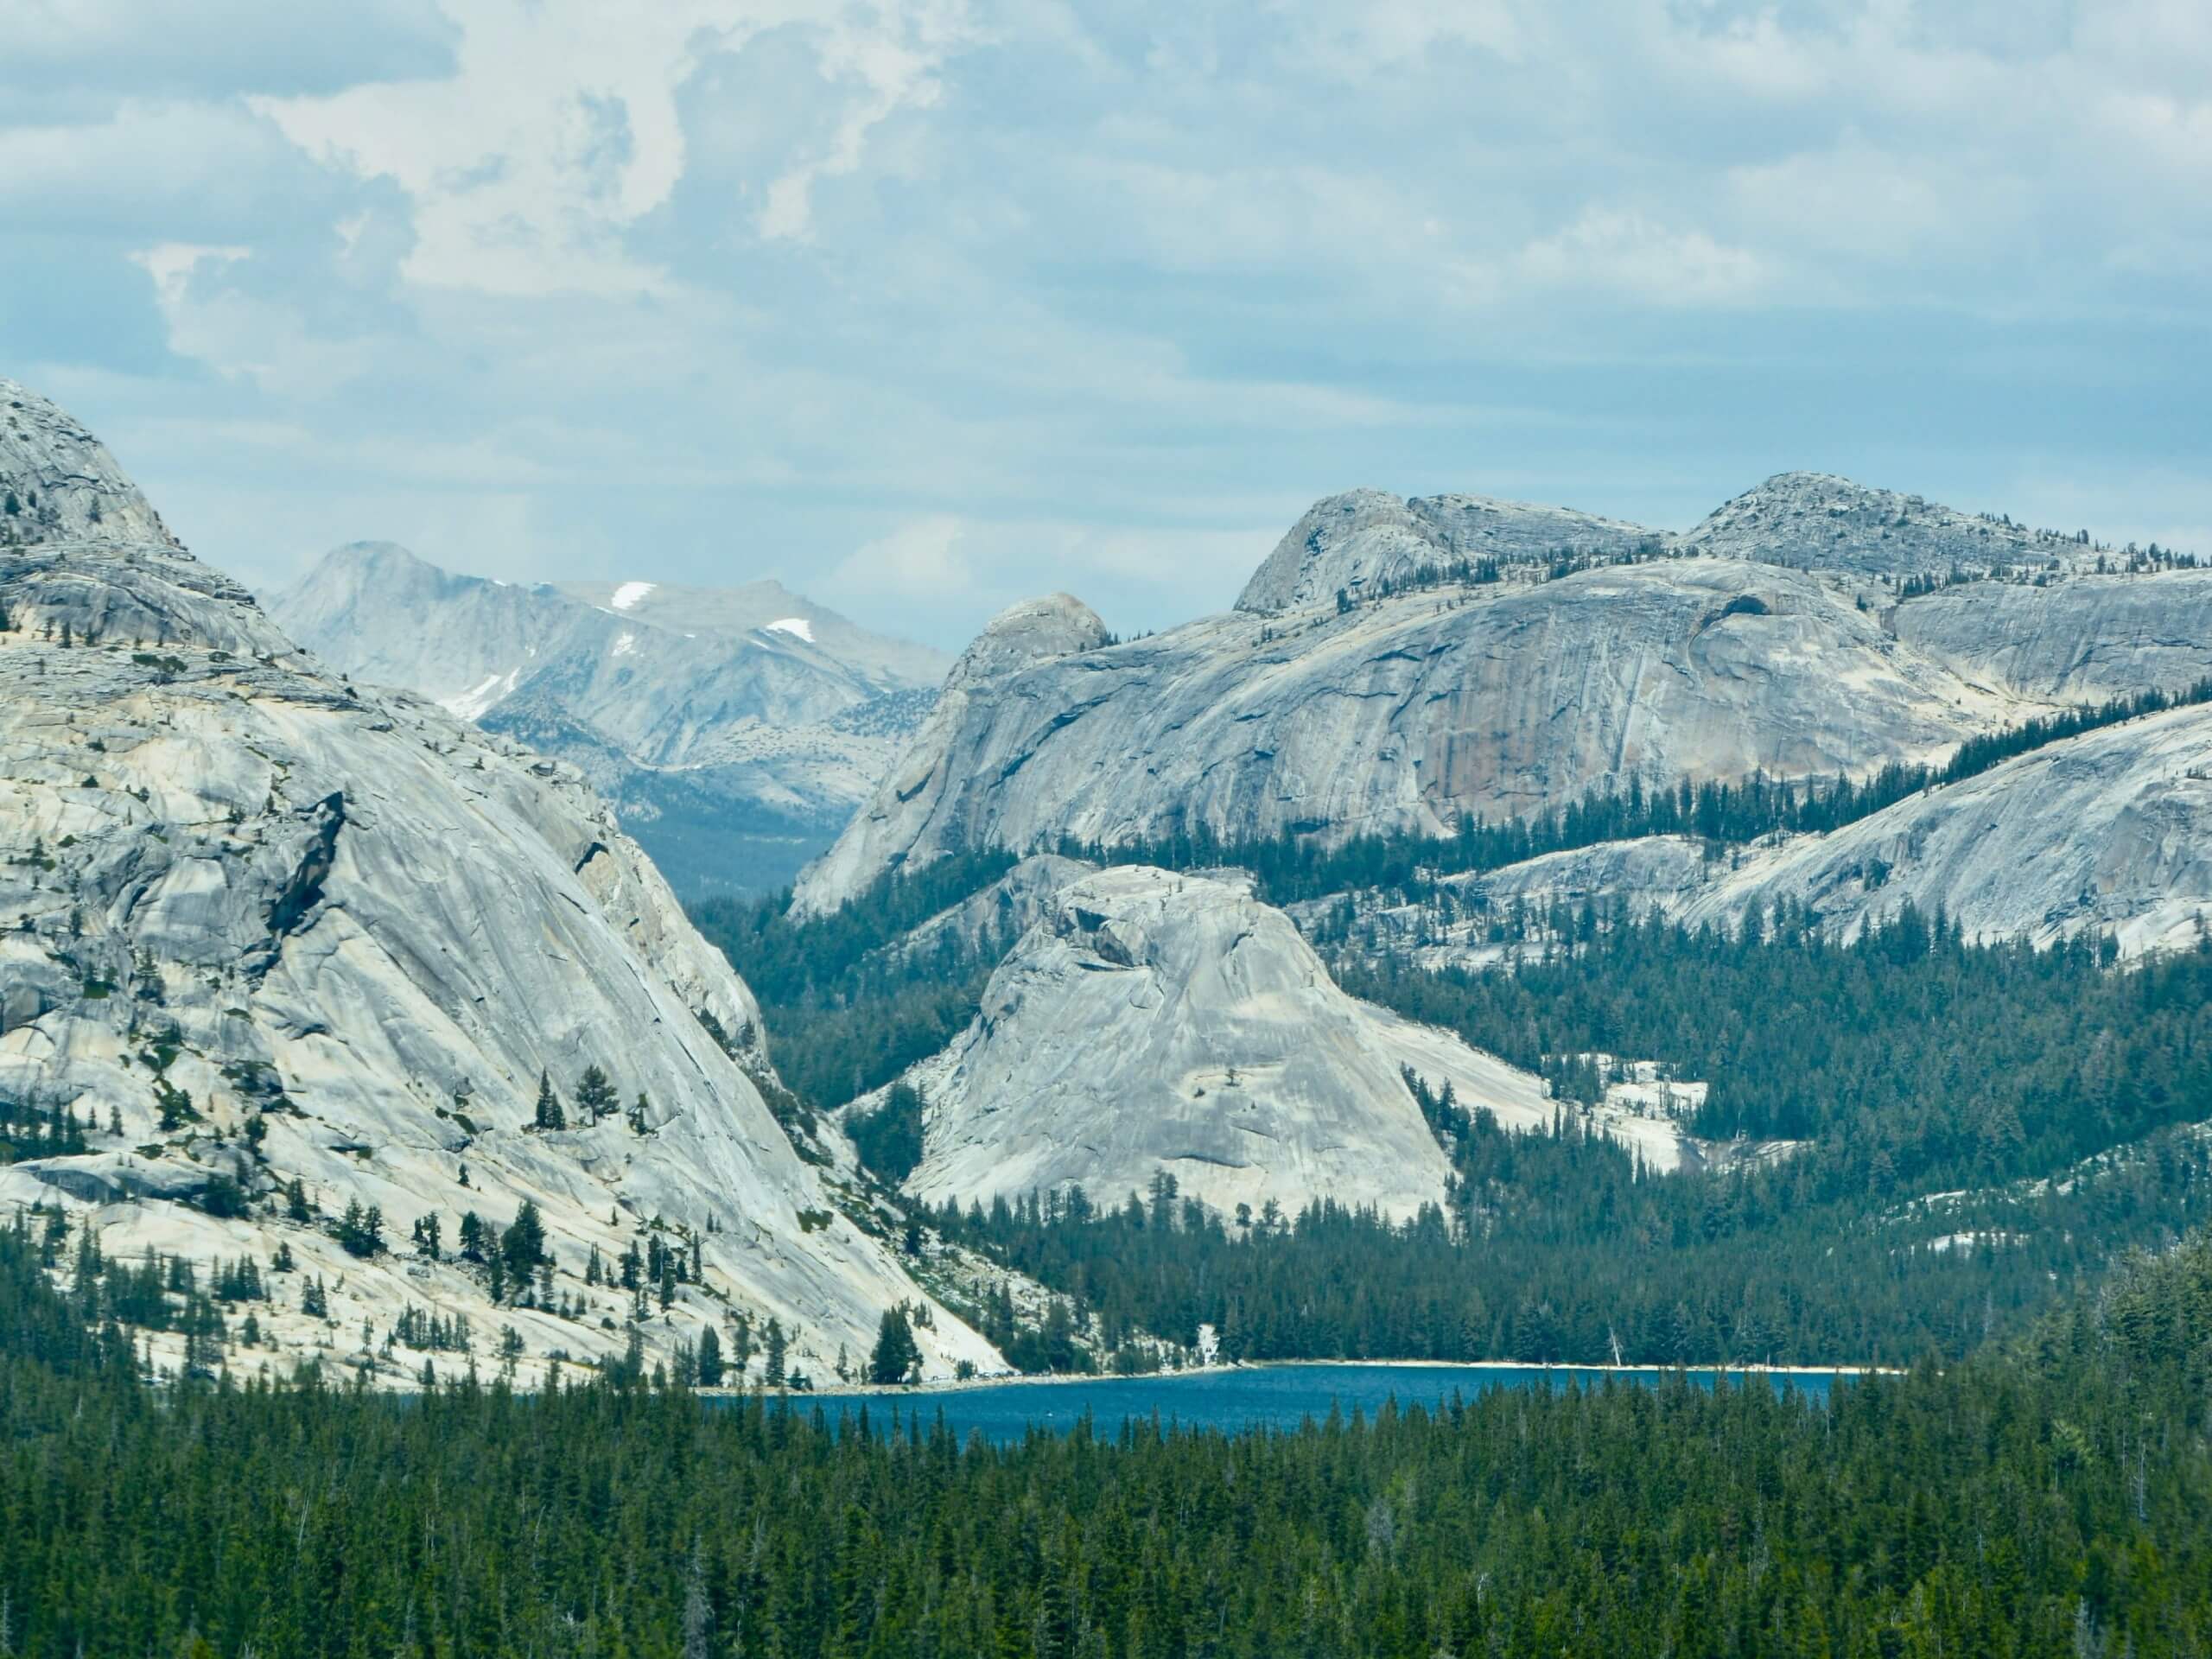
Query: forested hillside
(2051, 1496)
(1977, 1129)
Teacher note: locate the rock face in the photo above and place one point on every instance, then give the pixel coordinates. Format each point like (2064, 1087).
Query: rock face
(2111, 832)
(1816, 521)
(61, 483)
(933, 780)
(1158, 1022)
(2083, 640)
(1400, 714)
(262, 927)
(1395, 665)
(734, 730)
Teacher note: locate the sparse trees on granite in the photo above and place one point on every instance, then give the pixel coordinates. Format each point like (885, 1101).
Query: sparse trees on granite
(548, 1114)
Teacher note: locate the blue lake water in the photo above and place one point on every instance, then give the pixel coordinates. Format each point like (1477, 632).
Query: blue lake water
(1257, 1397)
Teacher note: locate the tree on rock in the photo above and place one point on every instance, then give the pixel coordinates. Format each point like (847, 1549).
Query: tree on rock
(523, 1245)
(550, 1115)
(361, 1231)
(594, 1095)
(898, 1357)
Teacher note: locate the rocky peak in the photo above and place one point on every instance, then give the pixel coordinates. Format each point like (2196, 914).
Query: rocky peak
(1154, 1022)
(1343, 543)
(59, 484)
(1354, 542)
(1817, 521)
(1034, 631)
(261, 928)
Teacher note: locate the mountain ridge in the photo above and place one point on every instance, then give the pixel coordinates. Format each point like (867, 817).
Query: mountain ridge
(734, 729)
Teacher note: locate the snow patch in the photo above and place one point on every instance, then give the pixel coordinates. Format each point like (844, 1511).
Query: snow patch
(797, 626)
(625, 643)
(473, 704)
(629, 593)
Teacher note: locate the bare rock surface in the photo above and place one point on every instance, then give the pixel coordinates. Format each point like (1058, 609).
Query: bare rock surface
(2083, 640)
(1155, 1022)
(258, 927)
(1816, 521)
(1399, 715)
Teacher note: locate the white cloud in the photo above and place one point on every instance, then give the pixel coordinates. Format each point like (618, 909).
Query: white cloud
(558, 129)
(240, 334)
(893, 72)
(922, 560)
(1625, 254)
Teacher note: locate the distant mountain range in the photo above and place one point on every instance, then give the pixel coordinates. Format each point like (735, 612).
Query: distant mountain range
(734, 729)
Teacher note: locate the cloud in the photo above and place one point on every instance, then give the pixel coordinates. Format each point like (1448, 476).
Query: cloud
(892, 70)
(1622, 253)
(240, 333)
(559, 129)
(922, 560)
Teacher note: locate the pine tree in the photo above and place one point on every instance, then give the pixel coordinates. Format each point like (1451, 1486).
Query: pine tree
(775, 1349)
(523, 1245)
(548, 1115)
(710, 1359)
(898, 1357)
(595, 1094)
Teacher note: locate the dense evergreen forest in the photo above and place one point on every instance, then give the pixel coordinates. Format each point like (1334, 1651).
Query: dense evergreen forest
(1556, 1250)
(2053, 1494)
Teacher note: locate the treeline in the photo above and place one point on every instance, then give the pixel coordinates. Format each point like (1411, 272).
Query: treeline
(2050, 1094)
(2052, 1498)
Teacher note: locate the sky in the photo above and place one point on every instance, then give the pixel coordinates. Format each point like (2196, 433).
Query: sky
(924, 307)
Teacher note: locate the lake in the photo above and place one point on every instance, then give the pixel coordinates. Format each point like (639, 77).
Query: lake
(1253, 1396)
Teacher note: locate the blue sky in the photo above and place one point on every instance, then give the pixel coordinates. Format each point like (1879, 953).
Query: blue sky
(923, 308)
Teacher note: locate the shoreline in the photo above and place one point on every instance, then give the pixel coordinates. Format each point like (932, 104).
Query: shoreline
(1013, 1379)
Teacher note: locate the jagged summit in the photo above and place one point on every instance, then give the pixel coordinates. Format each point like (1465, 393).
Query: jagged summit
(58, 483)
(1817, 521)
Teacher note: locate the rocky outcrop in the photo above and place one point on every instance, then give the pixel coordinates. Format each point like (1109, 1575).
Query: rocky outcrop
(735, 730)
(61, 485)
(1160, 1023)
(935, 780)
(1816, 521)
(1497, 699)
(260, 927)
(2108, 833)
(1365, 541)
